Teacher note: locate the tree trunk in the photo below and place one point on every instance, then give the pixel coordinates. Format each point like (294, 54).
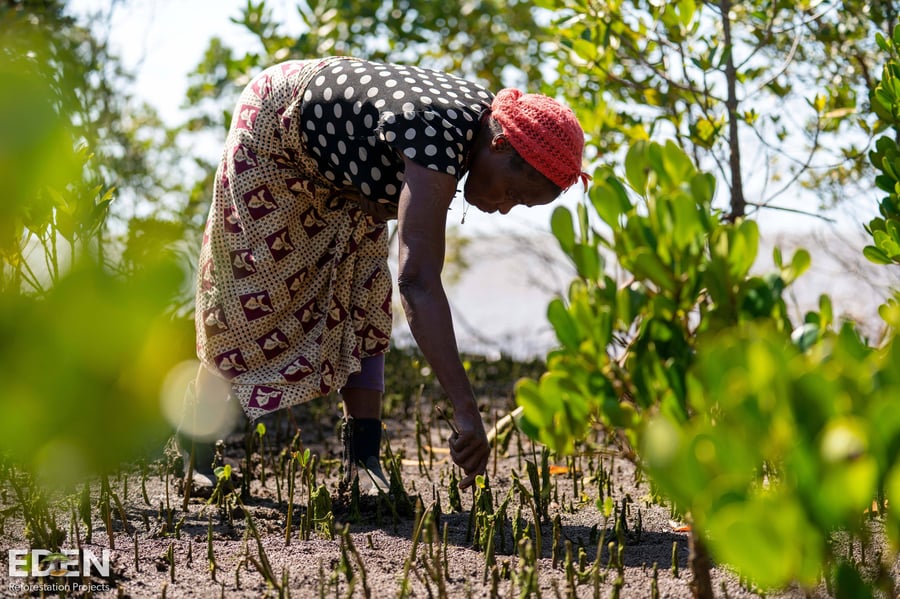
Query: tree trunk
(699, 562)
(738, 204)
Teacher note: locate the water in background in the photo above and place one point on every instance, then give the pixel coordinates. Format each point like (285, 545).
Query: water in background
(499, 302)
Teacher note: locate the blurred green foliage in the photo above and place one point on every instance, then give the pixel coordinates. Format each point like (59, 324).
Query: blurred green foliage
(770, 436)
(82, 368)
(783, 448)
(86, 331)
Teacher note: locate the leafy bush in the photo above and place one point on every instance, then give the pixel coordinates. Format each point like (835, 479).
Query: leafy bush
(86, 339)
(885, 101)
(770, 437)
(628, 349)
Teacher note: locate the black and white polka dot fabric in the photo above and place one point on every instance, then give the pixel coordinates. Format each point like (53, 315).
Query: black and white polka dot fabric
(360, 118)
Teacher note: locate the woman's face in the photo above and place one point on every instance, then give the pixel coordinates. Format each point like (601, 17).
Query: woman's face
(496, 184)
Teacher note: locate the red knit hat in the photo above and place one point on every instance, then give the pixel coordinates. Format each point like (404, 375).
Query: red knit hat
(545, 133)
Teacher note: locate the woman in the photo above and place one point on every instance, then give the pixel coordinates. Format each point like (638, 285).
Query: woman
(294, 293)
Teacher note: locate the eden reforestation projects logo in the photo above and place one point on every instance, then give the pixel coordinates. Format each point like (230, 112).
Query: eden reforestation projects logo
(54, 571)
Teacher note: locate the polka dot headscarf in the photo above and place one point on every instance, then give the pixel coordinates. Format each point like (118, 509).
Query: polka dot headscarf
(545, 133)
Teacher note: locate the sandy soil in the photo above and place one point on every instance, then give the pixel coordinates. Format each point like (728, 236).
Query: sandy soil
(315, 567)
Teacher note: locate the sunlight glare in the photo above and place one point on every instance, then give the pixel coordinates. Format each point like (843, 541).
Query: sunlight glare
(214, 415)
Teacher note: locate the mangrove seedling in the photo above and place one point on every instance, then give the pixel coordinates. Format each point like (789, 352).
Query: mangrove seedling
(675, 559)
(527, 498)
(349, 549)
(421, 433)
(106, 513)
(528, 571)
(210, 553)
(292, 476)
(261, 434)
(84, 510)
(453, 492)
(170, 559)
(137, 554)
(223, 481)
(482, 510)
(654, 582)
(422, 515)
(555, 544)
(401, 502)
(319, 516)
(262, 565)
(571, 583)
(145, 472)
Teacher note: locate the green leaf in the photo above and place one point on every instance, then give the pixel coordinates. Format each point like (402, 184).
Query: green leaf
(629, 301)
(893, 231)
(777, 543)
(703, 185)
(637, 166)
(610, 200)
(223, 472)
(739, 245)
(876, 255)
(748, 232)
(608, 506)
(757, 298)
(676, 163)
(563, 323)
(647, 265)
(587, 261)
(800, 263)
(688, 221)
(686, 10)
(585, 49)
(826, 310)
(805, 336)
(563, 229)
(584, 225)
(655, 160)
(533, 409)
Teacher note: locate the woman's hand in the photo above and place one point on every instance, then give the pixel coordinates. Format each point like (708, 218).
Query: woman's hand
(469, 449)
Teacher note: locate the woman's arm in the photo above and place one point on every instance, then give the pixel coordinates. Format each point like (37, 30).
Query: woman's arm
(422, 220)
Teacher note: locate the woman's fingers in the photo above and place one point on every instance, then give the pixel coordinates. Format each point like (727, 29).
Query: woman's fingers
(469, 480)
(470, 451)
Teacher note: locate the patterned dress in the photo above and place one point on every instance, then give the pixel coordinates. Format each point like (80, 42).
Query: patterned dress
(293, 287)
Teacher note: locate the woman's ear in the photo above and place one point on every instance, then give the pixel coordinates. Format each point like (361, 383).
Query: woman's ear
(500, 143)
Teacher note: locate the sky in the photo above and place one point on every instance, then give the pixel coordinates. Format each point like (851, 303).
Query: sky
(163, 40)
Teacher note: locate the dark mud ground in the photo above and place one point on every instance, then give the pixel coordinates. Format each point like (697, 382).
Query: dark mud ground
(312, 568)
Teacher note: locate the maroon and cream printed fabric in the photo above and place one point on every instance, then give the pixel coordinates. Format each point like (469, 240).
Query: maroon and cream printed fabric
(293, 285)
